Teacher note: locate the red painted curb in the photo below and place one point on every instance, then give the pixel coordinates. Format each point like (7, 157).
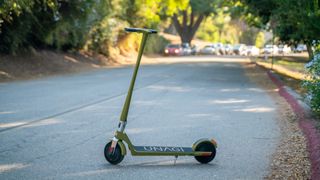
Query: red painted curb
(306, 125)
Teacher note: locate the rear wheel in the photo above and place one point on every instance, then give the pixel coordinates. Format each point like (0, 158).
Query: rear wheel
(113, 156)
(205, 147)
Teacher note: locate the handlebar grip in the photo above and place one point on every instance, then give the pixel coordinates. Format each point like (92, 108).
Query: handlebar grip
(141, 30)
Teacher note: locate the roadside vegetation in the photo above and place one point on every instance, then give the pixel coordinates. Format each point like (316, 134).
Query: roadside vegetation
(313, 84)
(291, 22)
(291, 69)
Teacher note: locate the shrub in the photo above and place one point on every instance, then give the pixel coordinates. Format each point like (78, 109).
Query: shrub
(155, 44)
(313, 84)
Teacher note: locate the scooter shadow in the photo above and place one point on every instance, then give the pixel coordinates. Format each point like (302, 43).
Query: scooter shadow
(162, 164)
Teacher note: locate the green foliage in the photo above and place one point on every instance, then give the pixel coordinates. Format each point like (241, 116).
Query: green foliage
(44, 23)
(221, 28)
(104, 34)
(139, 13)
(72, 24)
(249, 36)
(18, 20)
(292, 21)
(259, 42)
(313, 85)
(205, 7)
(188, 20)
(297, 20)
(170, 7)
(218, 28)
(208, 31)
(156, 44)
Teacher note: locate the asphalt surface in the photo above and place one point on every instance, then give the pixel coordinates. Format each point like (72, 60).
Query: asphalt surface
(57, 127)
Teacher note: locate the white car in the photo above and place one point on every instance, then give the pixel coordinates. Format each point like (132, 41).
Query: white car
(270, 49)
(240, 49)
(253, 51)
(284, 49)
(300, 48)
(209, 49)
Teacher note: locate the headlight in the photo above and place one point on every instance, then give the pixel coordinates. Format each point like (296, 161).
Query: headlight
(166, 51)
(176, 51)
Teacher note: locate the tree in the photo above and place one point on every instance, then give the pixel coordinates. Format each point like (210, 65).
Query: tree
(298, 21)
(292, 21)
(59, 24)
(188, 20)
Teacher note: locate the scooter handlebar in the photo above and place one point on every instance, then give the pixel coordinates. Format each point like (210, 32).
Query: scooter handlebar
(141, 30)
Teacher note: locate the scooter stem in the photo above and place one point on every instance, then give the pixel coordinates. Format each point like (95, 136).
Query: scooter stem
(125, 109)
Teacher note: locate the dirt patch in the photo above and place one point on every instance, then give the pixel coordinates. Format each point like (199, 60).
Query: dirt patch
(291, 158)
(43, 63)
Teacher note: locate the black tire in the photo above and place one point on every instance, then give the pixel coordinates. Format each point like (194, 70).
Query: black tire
(113, 158)
(206, 147)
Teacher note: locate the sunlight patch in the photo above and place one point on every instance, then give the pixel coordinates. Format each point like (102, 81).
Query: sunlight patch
(22, 123)
(44, 123)
(230, 90)
(228, 101)
(138, 130)
(11, 167)
(93, 172)
(256, 90)
(256, 110)
(7, 112)
(199, 115)
(170, 88)
(146, 103)
(9, 125)
(71, 59)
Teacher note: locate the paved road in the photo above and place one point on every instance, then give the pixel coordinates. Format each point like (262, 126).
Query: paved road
(56, 128)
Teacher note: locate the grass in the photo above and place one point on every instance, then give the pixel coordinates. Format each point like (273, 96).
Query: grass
(293, 63)
(291, 71)
(295, 66)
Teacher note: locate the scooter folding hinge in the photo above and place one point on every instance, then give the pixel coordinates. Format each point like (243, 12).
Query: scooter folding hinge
(121, 126)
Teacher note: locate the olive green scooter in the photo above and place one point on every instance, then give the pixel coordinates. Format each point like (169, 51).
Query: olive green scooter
(204, 150)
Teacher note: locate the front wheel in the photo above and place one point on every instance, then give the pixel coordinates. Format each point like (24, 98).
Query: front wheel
(205, 147)
(113, 157)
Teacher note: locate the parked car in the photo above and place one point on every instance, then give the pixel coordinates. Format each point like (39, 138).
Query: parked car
(209, 49)
(240, 49)
(220, 48)
(173, 49)
(186, 49)
(252, 51)
(300, 48)
(195, 49)
(270, 49)
(284, 49)
(228, 49)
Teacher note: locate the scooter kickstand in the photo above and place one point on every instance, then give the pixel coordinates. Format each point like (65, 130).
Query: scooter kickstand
(175, 160)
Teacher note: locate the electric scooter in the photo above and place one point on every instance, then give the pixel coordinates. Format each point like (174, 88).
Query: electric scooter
(204, 150)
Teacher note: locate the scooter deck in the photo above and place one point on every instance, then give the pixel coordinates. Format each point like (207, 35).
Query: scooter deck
(162, 149)
(166, 151)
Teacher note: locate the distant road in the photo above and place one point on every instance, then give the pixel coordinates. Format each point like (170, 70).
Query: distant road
(57, 127)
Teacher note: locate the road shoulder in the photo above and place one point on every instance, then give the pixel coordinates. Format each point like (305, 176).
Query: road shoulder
(291, 159)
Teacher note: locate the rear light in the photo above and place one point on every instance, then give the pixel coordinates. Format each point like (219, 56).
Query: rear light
(176, 51)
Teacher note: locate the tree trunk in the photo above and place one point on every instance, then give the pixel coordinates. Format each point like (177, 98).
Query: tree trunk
(309, 49)
(187, 30)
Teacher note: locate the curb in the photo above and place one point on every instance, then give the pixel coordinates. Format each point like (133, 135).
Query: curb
(306, 124)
